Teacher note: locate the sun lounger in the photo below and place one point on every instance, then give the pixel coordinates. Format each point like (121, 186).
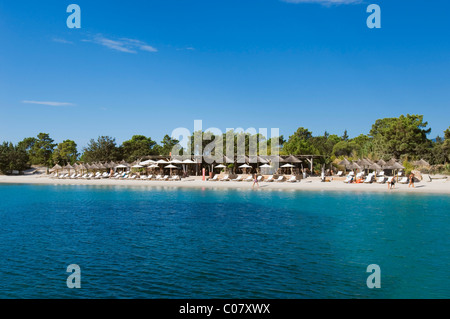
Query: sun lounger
(404, 180)
(270, 179)
(150, 177)
(339, 173)
(260, 178)
(349, 179)
(176, 178)
(159, 178)
(381, 180)
(369, 179)
(214, 179)
(238, 179)
(293, 179)
(381, 173)
(225, 178)
(280, 179)
(248, 179)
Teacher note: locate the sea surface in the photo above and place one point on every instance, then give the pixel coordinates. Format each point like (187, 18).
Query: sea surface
(138, 242)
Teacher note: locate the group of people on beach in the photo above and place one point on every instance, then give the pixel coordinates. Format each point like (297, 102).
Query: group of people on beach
(391, 184)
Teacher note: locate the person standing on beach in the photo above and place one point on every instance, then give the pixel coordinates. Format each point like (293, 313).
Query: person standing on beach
(411, 180)
(255, 180)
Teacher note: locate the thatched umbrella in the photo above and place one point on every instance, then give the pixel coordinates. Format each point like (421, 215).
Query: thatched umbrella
(375, 167)
(354, 166)
(364, 163)
(68, 167)
(422, 163)
(381, 163)
(344, 162)
(56, 168)
(292, 159)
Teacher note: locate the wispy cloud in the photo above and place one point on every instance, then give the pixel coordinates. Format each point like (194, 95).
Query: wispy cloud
(48, 103)
(60, 40)
(123, 44)
(188, 48)
(324, 2)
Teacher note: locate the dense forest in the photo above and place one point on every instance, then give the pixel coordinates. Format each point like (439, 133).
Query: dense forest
(405, 138)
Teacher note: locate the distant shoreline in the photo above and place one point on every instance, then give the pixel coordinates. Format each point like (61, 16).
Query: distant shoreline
(310, 184)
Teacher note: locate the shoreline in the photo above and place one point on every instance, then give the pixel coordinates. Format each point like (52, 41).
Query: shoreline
(310, 184)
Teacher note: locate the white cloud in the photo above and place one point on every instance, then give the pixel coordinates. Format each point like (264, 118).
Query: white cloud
(60, 40)
(48, 103)
(324, 2)
(123, 44)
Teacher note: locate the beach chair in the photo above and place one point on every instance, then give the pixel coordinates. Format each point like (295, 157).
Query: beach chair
(368, 179)
(238, 179)
(349, 179)
(176, 178)
(389, 180)
(158, 178)
(404, 180)
(280, 179)
(270, 179)
(214, 179)
(73, 176)
(381, 180)
(248, 179)
(150, 177)
(293, 179)
(260, 178)
(165, 178)
(381, 173)
(143, 178)
(225, 178)
(339, 173)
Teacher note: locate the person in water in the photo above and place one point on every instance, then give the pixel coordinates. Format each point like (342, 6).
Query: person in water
(255, 180)
(411, 180)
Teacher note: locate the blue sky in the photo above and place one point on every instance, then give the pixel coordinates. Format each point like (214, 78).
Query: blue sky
(149, 67)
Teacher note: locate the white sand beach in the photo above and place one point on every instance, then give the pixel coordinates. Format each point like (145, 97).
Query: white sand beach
(311, 184)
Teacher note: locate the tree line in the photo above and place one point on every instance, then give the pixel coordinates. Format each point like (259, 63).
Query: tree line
(404, 138)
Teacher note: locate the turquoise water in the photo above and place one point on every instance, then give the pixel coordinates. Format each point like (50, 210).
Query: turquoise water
(180, 243)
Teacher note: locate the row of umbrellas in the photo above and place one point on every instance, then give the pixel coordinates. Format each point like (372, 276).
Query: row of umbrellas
(368, 164)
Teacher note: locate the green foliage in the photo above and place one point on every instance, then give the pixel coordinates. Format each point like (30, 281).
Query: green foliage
(300, 144)
(65, 153)
(101, 150)
(345, 148)
(396, 137)
(39, 149)
(138, 147)
(446, 145)
(168, 145)
(12, 158)
(408, 167)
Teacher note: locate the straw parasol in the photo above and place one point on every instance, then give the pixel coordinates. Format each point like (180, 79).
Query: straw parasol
(68, 167)
(381, 163)
(56, 168)
(344, 162)
(292, 159)
(421, 162)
